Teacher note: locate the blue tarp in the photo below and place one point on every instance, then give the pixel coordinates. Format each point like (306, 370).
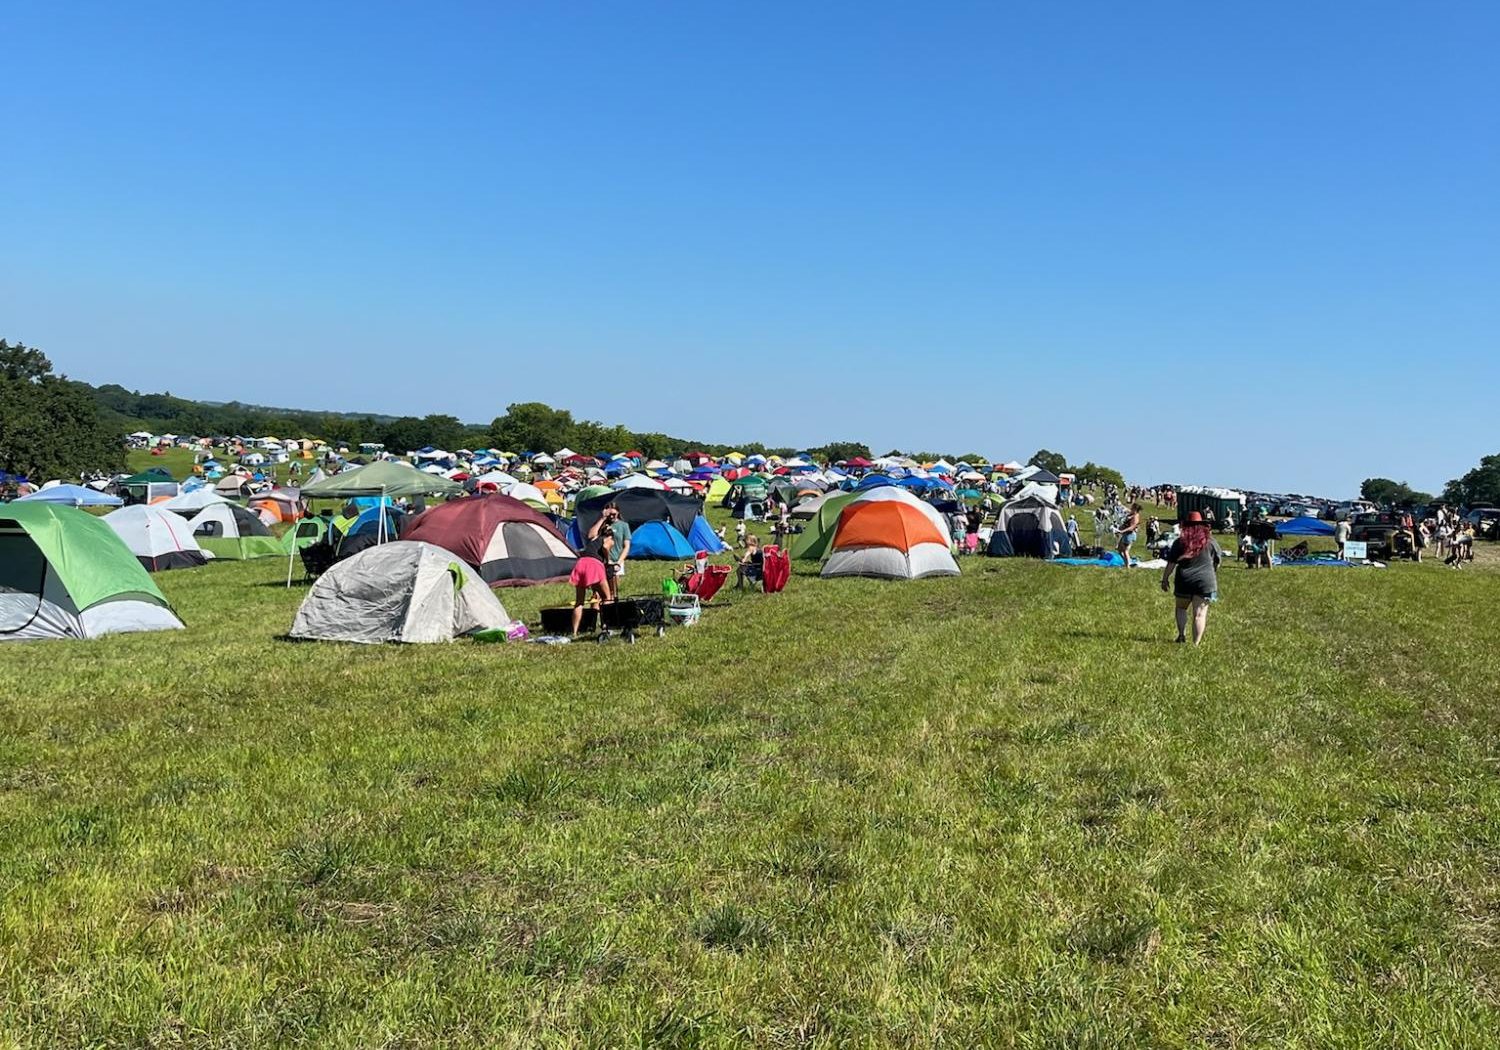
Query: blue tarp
(1304, 527)
(703, 538)
(1110, 560)
(658, 539)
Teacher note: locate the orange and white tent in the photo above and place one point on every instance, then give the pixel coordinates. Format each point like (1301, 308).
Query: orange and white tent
(889, 533)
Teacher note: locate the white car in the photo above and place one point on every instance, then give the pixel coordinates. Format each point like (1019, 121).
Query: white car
(1349, 511)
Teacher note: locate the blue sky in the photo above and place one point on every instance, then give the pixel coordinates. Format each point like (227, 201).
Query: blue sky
(1254, 244)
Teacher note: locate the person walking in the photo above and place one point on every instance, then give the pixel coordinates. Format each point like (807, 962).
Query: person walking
(1341, 533)
(1195, 557)
(1128, 529)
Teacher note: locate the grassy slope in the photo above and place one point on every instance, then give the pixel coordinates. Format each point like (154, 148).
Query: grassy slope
(999, 810)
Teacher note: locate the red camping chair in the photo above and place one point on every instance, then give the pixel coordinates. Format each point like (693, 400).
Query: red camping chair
(706, 584)
(776, 570)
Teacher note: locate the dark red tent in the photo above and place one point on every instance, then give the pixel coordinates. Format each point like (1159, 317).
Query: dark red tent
(508, 543)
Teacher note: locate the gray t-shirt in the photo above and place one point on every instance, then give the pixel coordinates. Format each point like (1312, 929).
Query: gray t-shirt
(1197, 577)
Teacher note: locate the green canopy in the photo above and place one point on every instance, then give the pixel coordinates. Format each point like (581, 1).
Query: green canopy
(87, 555)
(150, 476)
(591, 491)
(385, 478)
(817, 534)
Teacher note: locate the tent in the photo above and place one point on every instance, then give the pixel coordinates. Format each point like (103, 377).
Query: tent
(158, 538)
(702, 537)
(64, 573)
(191, 502)
(817, 536)
(232, 532)
(385, 478)
(304, 534)
(1031, 527)
(72, 496)
(148, 486)
(890, 534)
(660, 539)
(1304, 527)
(639, 506)
(718, 489)
(398, 592)
(508, 543)
(233, 485)
(279, 505)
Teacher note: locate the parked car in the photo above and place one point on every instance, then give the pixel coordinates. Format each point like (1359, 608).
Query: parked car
(1486, 522)
(1353, 509)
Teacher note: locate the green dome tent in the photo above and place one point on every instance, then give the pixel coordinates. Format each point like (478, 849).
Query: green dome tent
(64, 573)
(817, 535)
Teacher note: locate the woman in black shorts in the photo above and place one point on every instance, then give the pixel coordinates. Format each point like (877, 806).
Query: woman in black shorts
(1195, 556)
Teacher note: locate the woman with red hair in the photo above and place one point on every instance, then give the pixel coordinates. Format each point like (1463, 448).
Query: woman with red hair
(1195, 556)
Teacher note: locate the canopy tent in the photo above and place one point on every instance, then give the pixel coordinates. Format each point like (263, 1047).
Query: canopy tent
(507, 542)
(148, 486)
(158, 538)
(890, 534)
(72, 496)
(398, 592)
(64, 573)
(385, 478)
(636, 481)
(233, 533)
(1305, 527)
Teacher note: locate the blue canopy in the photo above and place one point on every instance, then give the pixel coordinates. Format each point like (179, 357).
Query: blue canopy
(873, 481)
(73, 496)
(1304, 527)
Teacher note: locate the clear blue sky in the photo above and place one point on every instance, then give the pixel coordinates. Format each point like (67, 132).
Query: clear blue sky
(1254, 244)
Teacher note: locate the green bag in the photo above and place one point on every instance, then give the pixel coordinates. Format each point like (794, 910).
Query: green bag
(669, 586)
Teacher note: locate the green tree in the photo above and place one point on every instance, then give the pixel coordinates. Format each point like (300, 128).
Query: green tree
(1480, 487)
(838, 451)
(1048, 460)
(533, 426)
(1092, 473)
(1386, 492)
(50, 427)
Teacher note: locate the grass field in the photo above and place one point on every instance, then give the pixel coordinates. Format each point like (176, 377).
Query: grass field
(999, 810)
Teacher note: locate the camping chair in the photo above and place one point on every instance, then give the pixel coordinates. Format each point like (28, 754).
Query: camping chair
(706, 584)
(776, 569)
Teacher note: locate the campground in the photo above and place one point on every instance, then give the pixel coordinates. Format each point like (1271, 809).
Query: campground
(1001, 809)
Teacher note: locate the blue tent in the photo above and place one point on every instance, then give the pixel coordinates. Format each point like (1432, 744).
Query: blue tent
(73, 496)
(1304, 527)
(659, 539)
(704, 538)
(873, 481)
(369, 521)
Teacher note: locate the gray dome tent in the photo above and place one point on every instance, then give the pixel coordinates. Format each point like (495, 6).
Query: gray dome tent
(1030, 527)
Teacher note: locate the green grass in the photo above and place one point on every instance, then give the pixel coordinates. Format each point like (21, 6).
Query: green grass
(999, 810)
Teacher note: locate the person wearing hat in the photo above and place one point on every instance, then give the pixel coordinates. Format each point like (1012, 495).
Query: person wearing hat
(1195, 556)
